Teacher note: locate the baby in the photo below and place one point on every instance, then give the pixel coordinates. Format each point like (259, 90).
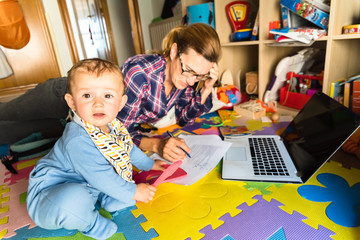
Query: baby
(90, 163)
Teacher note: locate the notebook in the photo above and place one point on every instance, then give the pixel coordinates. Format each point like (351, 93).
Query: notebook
(313, 136)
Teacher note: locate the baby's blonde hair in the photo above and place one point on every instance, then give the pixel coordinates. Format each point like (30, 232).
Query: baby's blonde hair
(95, 66)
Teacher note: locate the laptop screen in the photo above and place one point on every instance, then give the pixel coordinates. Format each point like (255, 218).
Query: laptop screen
(317, 132)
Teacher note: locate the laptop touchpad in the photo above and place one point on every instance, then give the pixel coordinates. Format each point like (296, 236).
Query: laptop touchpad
(236, 154)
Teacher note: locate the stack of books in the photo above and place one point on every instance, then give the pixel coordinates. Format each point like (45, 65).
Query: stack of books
(347, 92)
(233, 132)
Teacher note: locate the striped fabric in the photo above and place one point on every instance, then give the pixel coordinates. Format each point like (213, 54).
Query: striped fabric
(115, 146)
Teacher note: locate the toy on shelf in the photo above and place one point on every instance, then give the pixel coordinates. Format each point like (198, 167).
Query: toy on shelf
(299, 89)
(229, 94)
(251, 83)
(201, 13)
(308, 11)
(351, 29)
(299, 62)
(237, 13)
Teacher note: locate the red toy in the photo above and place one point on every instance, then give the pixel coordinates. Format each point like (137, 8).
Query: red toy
(237, 13)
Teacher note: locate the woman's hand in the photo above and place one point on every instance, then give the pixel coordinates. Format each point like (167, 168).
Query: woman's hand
(144, 192)
(214, 74)
(209, 84)
(171, 149)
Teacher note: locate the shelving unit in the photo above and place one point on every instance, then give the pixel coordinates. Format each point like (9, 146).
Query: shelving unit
(340, 53)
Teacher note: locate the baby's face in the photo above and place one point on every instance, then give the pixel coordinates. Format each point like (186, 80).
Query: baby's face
(97, 100)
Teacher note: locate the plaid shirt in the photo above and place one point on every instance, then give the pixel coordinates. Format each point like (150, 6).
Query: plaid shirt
(144, 77)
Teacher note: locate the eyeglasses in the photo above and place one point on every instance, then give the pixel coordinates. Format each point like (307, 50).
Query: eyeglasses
(191, 73)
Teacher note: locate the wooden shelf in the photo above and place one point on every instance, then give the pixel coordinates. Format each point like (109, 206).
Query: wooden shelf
(340, 53)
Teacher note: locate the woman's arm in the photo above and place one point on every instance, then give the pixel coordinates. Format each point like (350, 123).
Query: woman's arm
(168, 148)
(192, 104)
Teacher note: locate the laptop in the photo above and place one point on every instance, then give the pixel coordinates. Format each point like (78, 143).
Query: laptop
(313, 136)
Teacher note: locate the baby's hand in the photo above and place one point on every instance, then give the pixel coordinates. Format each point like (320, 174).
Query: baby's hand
(144, 192)
(158, 165)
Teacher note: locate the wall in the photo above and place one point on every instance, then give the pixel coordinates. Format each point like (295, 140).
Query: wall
(148, 11)
(121, 29)
(58, 36)
(120, 24)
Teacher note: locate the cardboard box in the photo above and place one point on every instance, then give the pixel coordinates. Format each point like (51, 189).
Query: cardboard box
(250, 109)
(308, 11)
(292, 20)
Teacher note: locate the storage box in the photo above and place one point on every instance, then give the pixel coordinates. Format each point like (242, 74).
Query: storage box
(250, 109)
(351, 29)
(201, 13)
(293, 99)
(308, 11)
(292, 20)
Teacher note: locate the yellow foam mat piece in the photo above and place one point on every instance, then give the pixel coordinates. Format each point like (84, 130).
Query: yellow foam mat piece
(3, 233)
(3, 199)
(4, 209)
(25, 164)
(179, 212)
(315, 211)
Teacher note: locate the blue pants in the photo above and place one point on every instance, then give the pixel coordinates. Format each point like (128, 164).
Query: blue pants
(72, 206)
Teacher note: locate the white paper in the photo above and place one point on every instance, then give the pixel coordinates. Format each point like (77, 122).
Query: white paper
(206, 152)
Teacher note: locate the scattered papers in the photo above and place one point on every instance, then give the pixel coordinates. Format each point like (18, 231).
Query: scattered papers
(305, 35)
(206, 152)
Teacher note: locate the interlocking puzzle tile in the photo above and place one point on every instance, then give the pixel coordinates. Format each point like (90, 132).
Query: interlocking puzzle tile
(256, 125)
(17, 214)
(3, 171)
(316, 211)
(79, 236)
(23, 168)
(182, 211)
(273, 129)
(209, 131)
(344, 199)
(36, 232)
(278, 235)
(128, 228)
(346, 159)
(261, 186)
(227, 237)
(4, 208)
(268, 217)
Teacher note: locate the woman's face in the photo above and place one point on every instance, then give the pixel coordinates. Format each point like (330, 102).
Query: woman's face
(189, 68)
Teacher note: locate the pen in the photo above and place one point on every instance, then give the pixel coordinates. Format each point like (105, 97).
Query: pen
(187, 154)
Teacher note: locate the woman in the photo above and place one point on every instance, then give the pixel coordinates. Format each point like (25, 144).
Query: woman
(155, 85)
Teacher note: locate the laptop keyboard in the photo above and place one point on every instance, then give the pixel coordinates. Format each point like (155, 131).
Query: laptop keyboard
(266, 158)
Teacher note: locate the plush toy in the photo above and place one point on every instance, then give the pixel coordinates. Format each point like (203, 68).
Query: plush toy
(229, 94)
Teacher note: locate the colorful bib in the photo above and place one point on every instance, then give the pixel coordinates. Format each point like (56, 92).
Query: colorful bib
(114, 146)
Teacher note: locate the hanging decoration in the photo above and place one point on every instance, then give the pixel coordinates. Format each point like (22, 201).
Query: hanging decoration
(14, 32)
(5, 69)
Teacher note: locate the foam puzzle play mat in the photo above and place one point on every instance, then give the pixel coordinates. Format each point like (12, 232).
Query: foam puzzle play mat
(326, 207)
